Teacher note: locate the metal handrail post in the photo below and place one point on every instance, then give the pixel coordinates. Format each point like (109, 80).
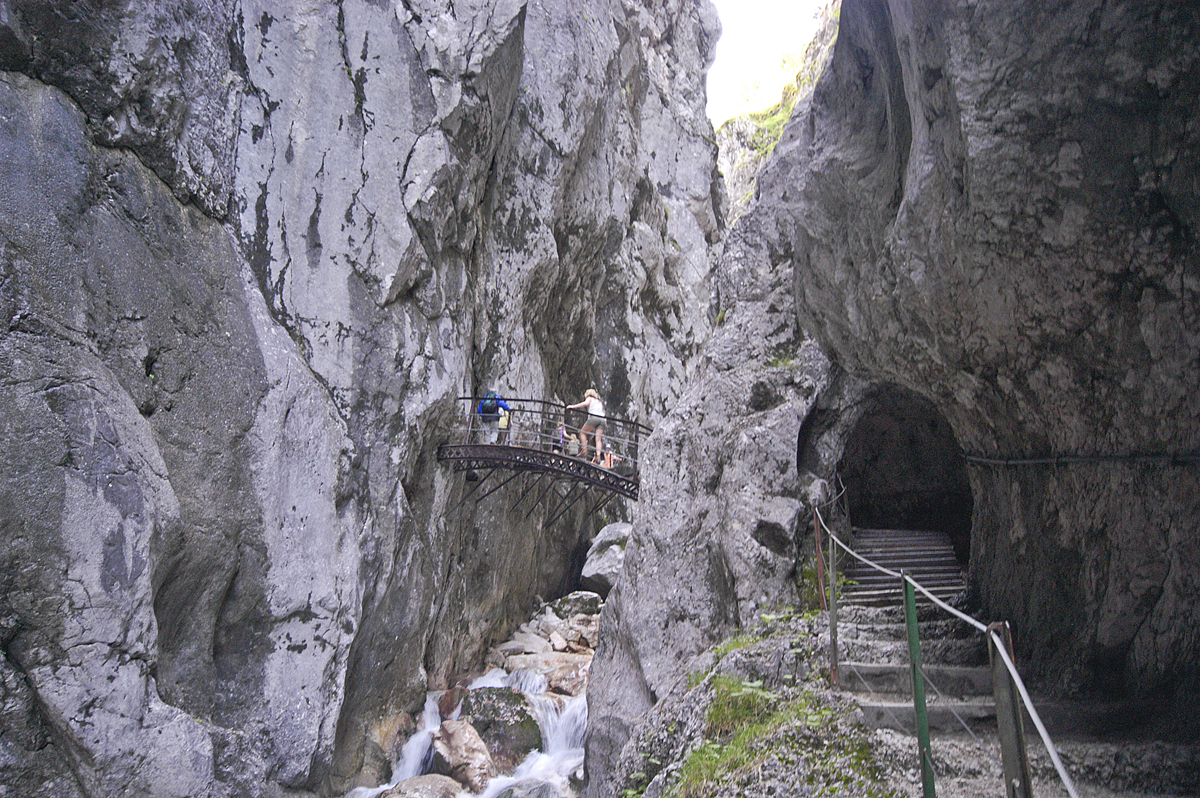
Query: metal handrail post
(914, 651)
(1009, 721)
(833, 615)
(820, 564)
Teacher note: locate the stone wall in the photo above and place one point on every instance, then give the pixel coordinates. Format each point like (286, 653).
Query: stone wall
(251, 254)
(991, 207)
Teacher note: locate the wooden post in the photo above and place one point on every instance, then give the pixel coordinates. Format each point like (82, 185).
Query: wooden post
(820, 561)
(914, 651)
(833, 615)
(1009, 718)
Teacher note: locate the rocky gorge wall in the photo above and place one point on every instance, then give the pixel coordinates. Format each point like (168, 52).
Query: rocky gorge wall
(251, 254)
(988, 210)
(999, 201)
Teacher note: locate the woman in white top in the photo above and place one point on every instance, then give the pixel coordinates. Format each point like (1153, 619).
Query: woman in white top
(594, 423)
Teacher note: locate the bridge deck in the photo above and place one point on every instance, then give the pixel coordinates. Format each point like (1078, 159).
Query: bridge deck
(481, 456)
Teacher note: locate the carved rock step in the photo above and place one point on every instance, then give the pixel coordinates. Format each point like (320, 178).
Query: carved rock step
(898, 713)
(955, 651)
(896, 679)
(940, 629)
(1062, 719)
(928, 557)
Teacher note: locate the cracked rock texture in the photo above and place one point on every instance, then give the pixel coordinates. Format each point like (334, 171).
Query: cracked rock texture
(985, 213)
(250, 254)
(994, 207)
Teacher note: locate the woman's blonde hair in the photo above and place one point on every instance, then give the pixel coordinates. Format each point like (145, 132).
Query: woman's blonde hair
(591, 392)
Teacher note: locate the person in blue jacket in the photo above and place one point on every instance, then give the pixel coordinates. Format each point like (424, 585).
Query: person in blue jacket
(489, 413)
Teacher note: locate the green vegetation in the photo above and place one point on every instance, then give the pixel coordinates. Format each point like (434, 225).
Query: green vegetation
(737, 704)
(769, 123)
(734, 643)
(806, 585)
(781, 361)
(748, 724)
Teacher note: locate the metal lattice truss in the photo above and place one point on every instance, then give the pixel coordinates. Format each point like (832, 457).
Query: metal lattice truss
(484, 457)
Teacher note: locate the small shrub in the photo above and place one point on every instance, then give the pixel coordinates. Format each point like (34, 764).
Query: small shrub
(737, 704)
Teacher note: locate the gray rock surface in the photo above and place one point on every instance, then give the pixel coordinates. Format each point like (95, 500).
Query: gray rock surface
(249, 256)
(716, 540)
(605, 557)
(994, 216)
(983, 209)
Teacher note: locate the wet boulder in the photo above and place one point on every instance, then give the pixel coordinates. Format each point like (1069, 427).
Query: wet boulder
(459, 752)
(531, 788)
(504, 722)
(432, 785)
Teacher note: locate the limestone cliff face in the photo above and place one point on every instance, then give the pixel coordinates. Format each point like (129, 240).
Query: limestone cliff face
(994, 207)
(251, 253)
(986, 214)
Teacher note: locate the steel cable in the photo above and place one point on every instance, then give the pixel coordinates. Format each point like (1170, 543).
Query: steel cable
(998, 645)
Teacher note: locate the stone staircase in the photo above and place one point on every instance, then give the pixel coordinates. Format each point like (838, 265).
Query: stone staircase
(874, 663)
(927, 556)
(1107, 744)
(1099, 741)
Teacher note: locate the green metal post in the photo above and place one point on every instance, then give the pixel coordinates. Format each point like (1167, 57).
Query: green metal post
(914, 650)
(820, 560)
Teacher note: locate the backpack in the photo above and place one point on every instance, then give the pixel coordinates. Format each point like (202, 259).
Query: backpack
(490, 405)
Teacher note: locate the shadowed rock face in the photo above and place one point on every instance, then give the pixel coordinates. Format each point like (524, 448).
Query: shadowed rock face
(249, 255)
(990, 212)
(990, 208)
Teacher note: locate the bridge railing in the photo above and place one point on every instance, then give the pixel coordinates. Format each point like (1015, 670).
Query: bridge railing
(534, 424)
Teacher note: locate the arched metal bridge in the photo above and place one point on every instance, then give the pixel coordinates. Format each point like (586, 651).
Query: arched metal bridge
(529, 442)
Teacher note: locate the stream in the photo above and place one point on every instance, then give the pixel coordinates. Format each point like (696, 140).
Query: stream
(561, 719)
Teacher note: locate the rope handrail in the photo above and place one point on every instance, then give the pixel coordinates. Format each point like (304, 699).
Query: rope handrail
(998, 645)
(1183, 457)
(1033, 715)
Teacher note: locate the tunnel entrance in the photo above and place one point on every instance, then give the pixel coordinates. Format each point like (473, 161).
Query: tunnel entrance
(903, 469)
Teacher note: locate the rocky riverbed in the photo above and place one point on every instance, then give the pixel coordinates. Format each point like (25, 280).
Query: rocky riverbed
(515, 730)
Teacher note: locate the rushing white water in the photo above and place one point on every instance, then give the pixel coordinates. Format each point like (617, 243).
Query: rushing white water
(563, 728)
(563, 725)
(529, 682)
(417, 753)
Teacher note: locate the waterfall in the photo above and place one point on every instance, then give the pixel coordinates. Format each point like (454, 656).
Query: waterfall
(563, 729)
(417, 753)
(563, 726)
(563, 723)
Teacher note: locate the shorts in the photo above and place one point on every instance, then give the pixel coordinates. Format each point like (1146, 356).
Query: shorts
(594, 422)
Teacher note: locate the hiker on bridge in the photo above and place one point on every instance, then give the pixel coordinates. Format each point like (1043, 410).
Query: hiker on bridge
(489, 413)
(594, 423)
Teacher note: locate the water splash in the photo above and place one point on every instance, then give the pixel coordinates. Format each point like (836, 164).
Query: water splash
(563, 722)
(417, 754)
(563, 729)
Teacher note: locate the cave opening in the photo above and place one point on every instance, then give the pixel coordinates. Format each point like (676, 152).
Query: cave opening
(903, 469)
